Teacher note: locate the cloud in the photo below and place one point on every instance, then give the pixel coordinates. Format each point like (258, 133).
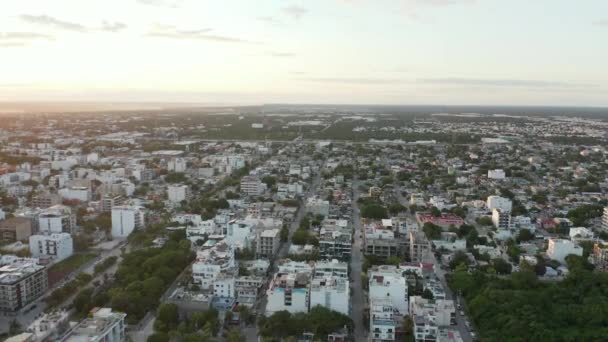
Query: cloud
(113, 26)
(45, 20)
(601, 23)
(352, 80)
(281, 54)
(24, 36)
(500, 83)
(270, 20)
(161, 3)
(172, 32)
(295, 11)
(12, 44)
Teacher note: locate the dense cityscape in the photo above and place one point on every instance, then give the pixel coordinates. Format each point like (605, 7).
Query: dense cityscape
(305, 223)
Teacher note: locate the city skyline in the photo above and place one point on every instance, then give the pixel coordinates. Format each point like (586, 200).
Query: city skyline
(359, 52)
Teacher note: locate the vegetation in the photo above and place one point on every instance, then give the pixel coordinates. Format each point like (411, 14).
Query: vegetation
(105, 264)
(526, 309)
(320, 321)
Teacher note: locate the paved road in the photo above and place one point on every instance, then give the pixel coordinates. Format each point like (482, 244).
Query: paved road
(357, 300)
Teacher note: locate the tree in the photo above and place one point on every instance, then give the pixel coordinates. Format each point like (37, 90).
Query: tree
(524, 235)
(484, 221)
(396, 208)
(501, 266)
(435, 211)
(427, 294)
(158, 337)
(432, 231)
(269, 181)
(284, 233)
(234, 335)
(374, 211)
(459, 258)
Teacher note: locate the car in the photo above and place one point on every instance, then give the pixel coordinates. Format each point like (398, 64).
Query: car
(461, 313)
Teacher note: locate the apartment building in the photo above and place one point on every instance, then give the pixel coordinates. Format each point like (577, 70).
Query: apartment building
(108, 201)
(382, 324)
(177, 193)
(56, 246)
(211, 262)
(103, 325)
(252, 186)
(268, 243)
(56, 219)
(501, 219)
(15, 229)
(45, 200)
(22, 280)
(379, 241)
(559, 249)
(126, 219)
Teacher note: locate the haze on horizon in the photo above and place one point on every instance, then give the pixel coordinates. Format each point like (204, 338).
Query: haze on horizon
(482, 52)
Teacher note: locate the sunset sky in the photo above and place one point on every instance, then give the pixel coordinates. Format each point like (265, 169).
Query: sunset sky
(515, 52)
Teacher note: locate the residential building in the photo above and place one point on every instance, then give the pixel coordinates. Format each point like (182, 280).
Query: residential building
(382, 323)
(56, 246)
(497, 174)
(79, 193)
(497, 202)
(252, 186)
(45, 200)
(108, 201)
(126, 219)
(331, 292)
(605, 219)
(22, 281)
(268, 243)
(56, 219)
(104, 325)
(445, 220)
(177, 193)
(389, 283)
(317, 206)
(15, 229)
(289, 290)
(559, 249)
(240, 233)
(501, 219)
(211, 262)
(599, 258)
(177, 165)
(335, 244)
(379, 241)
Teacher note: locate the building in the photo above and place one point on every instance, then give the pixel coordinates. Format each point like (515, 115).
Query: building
(289, 290)
(335, 244)
(56, 219)
(599, 258)
(15, 229)
(497, 174)
(382, 324)
(177, 193)
(110, 200)
(605, 219)
(252, 186)
(417, 199)
(497, 202)
(439, 311)
(211, 262)
(445, 220)
(79, 193)
(56, 246)
(501, 219)
(331, 292)
(45, 200)
(103, 325)
(125, 219)
(317, 206)
(177, 165)
(240, 233)
(379, 241)
(22, 281)
(388, 282)
(559, 249)
(268, 243)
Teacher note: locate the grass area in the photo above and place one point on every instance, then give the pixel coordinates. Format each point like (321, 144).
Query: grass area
(72, 263)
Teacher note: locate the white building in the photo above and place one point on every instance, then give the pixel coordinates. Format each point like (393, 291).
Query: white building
(417, 199)
(103, 326)
(289, 291)
(317, 206)
(57, 246)
(56, 219)
(252, 186)
(497, 202)
(559, 249)
(125, 219)
(80, 193)
(177, 193)
(382, 323)
(224, 286)
(497, 174)
(387, 282)
(177, 165)
(580, 233)
(268, 242)
(240, 233)
(501, 219)
(330, 292)
(211, 262)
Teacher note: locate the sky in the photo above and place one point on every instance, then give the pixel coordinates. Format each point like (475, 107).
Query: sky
(473, 52)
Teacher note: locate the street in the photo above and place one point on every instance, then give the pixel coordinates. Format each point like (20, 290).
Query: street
(357, 300)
